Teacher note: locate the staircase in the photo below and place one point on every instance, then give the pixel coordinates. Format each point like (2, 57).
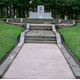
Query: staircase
(40, 34)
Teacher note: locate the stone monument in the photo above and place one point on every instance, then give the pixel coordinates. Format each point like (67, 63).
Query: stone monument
(40, 14)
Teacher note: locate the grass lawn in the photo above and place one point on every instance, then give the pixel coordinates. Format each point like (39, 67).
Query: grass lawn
(8, 37)
(72, 38)
(40, 21)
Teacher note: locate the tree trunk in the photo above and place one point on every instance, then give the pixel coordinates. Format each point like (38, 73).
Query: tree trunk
(14, 10)
(54, 13)
(63, 15)
(27, 13)
(49, 8)
(19, 12)
(55, 16)
(33, 8)
(76, 15)
(36, 8)
(1, 12)
(7, 11)
(10, 11)
(23, 13)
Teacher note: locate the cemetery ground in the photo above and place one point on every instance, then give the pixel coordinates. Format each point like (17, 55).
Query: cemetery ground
(8, 37)
(9, 34)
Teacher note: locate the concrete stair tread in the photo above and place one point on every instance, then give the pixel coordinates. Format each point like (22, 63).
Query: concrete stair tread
(41, 39)
(29, 41)
(40, 24)
(40, 33)
(40, 28)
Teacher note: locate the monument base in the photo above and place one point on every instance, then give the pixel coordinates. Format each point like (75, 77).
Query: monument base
(40, 14)
(39, 18)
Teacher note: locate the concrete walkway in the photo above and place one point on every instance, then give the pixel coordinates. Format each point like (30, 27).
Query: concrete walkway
(39, 61)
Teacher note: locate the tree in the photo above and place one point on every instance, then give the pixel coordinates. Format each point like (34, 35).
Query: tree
(76, 7)
(59, 8)
(2, 4)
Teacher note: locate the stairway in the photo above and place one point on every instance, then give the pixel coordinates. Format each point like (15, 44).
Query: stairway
(40, 34)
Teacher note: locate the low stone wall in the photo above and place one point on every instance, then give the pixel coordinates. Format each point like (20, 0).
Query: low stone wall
(57, 25)
(64, 25)
(4, 19)
(19, 24)
(50, 21)
(66, 21)
(33, 20)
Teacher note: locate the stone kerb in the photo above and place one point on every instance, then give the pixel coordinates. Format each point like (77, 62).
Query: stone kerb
(27, 26)
(75, 68)
(5, 65)
(57, 35)
(22, 36)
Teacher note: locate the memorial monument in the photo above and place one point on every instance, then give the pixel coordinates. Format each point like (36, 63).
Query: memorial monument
(40, 14)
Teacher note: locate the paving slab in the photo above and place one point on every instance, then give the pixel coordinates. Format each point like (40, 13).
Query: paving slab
(39, 61)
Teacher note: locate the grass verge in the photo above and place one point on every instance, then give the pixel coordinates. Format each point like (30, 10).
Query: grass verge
(52, 21)
(72, 38)
(8, 37)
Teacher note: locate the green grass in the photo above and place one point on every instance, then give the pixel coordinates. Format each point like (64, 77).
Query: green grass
(72, 38)
(8, 37)
(40, 21)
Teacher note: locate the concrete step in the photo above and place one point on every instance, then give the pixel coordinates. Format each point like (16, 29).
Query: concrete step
(40, 33)
(40, 39)
(42, 36)
(40, 27)
(29, 41)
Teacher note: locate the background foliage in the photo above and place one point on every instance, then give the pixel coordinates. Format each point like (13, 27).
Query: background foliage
(59, 8)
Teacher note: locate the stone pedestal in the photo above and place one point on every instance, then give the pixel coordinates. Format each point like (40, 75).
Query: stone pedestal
(40, 14)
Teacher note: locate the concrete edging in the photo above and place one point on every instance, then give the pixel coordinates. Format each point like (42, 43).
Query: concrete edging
(5, 65)
(75, 68)
(22, 36)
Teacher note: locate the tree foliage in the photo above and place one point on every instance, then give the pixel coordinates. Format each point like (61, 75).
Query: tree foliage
(59, 8)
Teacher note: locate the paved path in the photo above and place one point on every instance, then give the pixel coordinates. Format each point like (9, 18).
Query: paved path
(39, 61)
